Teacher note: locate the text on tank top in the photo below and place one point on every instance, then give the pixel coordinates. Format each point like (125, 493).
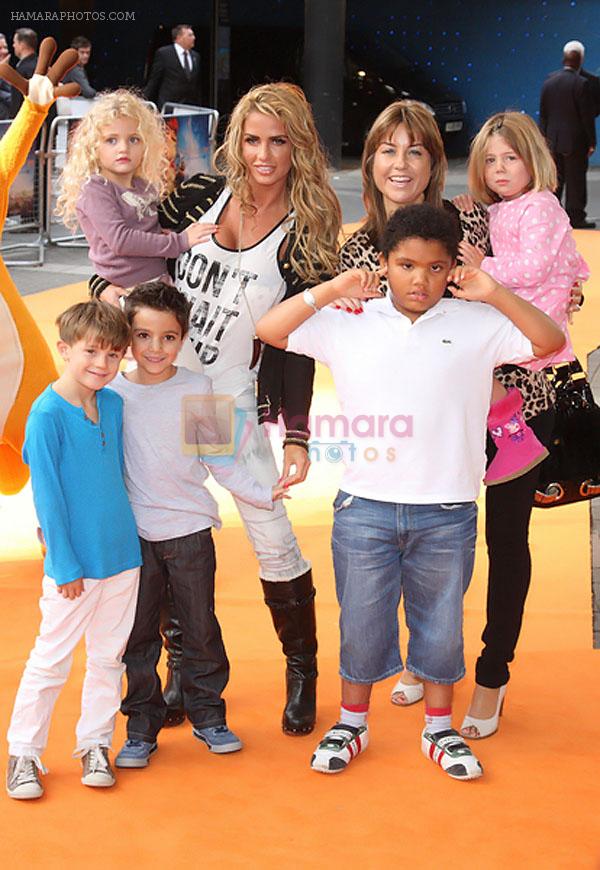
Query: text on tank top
(229, 292)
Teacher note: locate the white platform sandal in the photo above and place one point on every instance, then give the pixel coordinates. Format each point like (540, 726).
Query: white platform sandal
(405, 694)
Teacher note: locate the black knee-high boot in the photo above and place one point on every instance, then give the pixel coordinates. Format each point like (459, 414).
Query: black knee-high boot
(292, 606)
(171, 632)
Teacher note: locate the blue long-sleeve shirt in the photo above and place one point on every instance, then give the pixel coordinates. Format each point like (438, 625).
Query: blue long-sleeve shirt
(78, 489)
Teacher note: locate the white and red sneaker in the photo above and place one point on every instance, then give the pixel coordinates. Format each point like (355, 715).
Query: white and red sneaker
(448, 749)
(338, 747)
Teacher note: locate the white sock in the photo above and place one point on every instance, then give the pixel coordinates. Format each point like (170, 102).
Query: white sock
(354, 714)
(438, 718)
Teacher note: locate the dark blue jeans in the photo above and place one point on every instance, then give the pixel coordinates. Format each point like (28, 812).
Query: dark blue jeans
(187, 564)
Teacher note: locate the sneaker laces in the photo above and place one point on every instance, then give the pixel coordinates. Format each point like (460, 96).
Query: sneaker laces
(25, 769)
(97, 760)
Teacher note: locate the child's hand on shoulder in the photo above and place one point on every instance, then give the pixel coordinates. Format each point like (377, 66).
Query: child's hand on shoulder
(472, 284)
(71, 590)
(470, 255)
(113, 295)
(200, 232)
(357, 284)
(280, 491)
(464, 202)
(575, 299)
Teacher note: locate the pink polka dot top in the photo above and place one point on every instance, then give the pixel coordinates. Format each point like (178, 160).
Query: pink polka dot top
(535, 256)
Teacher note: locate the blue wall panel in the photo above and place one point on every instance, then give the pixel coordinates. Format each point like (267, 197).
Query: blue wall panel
(495, 55)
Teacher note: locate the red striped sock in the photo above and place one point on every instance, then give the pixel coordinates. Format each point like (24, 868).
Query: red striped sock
(438, 718)
(354, 714)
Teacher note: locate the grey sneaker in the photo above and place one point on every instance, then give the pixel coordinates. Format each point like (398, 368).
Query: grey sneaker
(23, 777)
(135, 753)
(219, 739)
(97, 771)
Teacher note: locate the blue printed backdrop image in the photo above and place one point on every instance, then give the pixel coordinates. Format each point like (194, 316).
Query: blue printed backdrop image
(495, 56)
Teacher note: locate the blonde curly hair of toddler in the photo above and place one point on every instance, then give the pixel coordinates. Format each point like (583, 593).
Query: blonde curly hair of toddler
(82, 159)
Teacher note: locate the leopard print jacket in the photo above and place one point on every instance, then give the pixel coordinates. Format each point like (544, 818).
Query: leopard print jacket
(360, 252)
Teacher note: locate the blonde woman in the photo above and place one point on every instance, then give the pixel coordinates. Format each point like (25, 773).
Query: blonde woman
(274, 222)
(114, 176)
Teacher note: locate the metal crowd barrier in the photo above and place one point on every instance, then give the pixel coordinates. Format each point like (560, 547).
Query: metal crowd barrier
(177, 109)
(24, 225)
(69, 113)
(32, 213)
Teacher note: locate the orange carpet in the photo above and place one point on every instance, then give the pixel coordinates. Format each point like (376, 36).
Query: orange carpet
(536, 806)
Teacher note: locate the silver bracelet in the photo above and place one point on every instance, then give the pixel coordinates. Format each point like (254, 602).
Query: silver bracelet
(310, 300)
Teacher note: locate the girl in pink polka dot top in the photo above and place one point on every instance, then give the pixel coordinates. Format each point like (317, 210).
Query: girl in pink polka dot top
(512, 171)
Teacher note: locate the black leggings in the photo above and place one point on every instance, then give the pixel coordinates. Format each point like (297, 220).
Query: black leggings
(507, 513)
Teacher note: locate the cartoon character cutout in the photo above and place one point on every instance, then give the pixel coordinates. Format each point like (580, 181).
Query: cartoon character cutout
(26, 364)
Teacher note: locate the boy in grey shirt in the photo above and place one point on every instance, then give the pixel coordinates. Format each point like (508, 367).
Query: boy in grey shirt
(174, 513)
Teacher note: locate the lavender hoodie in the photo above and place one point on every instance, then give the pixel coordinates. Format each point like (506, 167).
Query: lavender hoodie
(127, 245)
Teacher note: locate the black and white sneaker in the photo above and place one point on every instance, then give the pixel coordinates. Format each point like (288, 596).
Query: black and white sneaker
(449, 750)
(338, 747)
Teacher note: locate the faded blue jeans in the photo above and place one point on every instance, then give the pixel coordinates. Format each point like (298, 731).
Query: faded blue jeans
(425, 553)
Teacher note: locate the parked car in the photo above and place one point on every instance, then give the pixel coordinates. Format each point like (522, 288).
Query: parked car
(372, 79)
(369, 88)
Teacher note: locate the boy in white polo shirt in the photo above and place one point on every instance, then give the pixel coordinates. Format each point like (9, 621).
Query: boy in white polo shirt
(405, 518)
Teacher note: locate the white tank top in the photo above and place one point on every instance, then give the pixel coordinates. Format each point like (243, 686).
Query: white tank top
(230, 293)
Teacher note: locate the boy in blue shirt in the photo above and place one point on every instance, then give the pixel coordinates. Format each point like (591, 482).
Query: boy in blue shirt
(74, 448)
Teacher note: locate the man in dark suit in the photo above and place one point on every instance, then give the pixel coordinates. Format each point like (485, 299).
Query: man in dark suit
(25, 43)
(592, 80)
(567, 120)
(175, 73)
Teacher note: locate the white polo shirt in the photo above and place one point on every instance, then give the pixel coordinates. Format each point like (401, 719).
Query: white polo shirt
(414, 396)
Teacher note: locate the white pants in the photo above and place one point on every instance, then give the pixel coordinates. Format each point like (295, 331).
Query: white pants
(270, 532)
(104, 613)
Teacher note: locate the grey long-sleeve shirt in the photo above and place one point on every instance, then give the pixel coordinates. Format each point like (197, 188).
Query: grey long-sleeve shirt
(164, 477)
(127, 245)
(79, 76)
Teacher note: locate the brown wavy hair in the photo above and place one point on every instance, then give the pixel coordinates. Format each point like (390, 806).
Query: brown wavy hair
(317, 214)
(421, 127)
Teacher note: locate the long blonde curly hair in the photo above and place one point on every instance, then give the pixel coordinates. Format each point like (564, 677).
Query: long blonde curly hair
(82, 160)
(317, 214)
